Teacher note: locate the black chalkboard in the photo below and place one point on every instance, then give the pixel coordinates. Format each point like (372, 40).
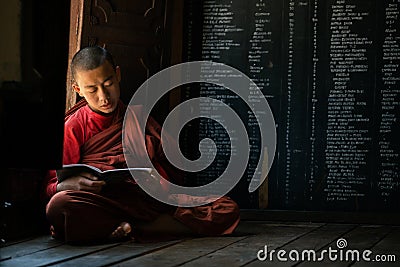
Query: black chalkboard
(330, 71)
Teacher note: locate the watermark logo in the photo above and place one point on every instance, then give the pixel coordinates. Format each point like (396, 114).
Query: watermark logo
(150, 92)
(330, 254)
(341, 243)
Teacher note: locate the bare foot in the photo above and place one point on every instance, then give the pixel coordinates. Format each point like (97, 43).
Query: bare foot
(122, 232)
(52, 232)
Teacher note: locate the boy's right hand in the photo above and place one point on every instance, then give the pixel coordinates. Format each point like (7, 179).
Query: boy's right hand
(81, 182)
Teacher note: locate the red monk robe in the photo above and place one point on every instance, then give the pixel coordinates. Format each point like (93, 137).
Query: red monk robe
(81, 216)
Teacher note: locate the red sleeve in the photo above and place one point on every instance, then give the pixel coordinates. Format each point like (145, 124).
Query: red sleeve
(73, 139)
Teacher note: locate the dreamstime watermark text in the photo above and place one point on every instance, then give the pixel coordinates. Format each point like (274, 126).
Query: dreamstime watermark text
(338, 253)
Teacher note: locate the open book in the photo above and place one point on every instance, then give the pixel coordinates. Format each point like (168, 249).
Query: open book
(114, 175)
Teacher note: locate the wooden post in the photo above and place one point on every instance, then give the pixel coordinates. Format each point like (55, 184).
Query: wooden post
(75, 33)
(263, 189)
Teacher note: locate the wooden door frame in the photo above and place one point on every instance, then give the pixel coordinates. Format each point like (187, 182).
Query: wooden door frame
(75, 33)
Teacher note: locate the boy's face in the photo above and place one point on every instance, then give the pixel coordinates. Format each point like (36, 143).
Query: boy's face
(100, 87)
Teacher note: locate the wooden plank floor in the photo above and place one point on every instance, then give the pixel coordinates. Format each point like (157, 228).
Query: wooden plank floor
(290, 241)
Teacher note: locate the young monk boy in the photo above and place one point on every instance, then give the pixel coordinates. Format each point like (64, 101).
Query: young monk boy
(83, 208)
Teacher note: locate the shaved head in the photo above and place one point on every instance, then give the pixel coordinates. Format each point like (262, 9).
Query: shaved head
(90, 58)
